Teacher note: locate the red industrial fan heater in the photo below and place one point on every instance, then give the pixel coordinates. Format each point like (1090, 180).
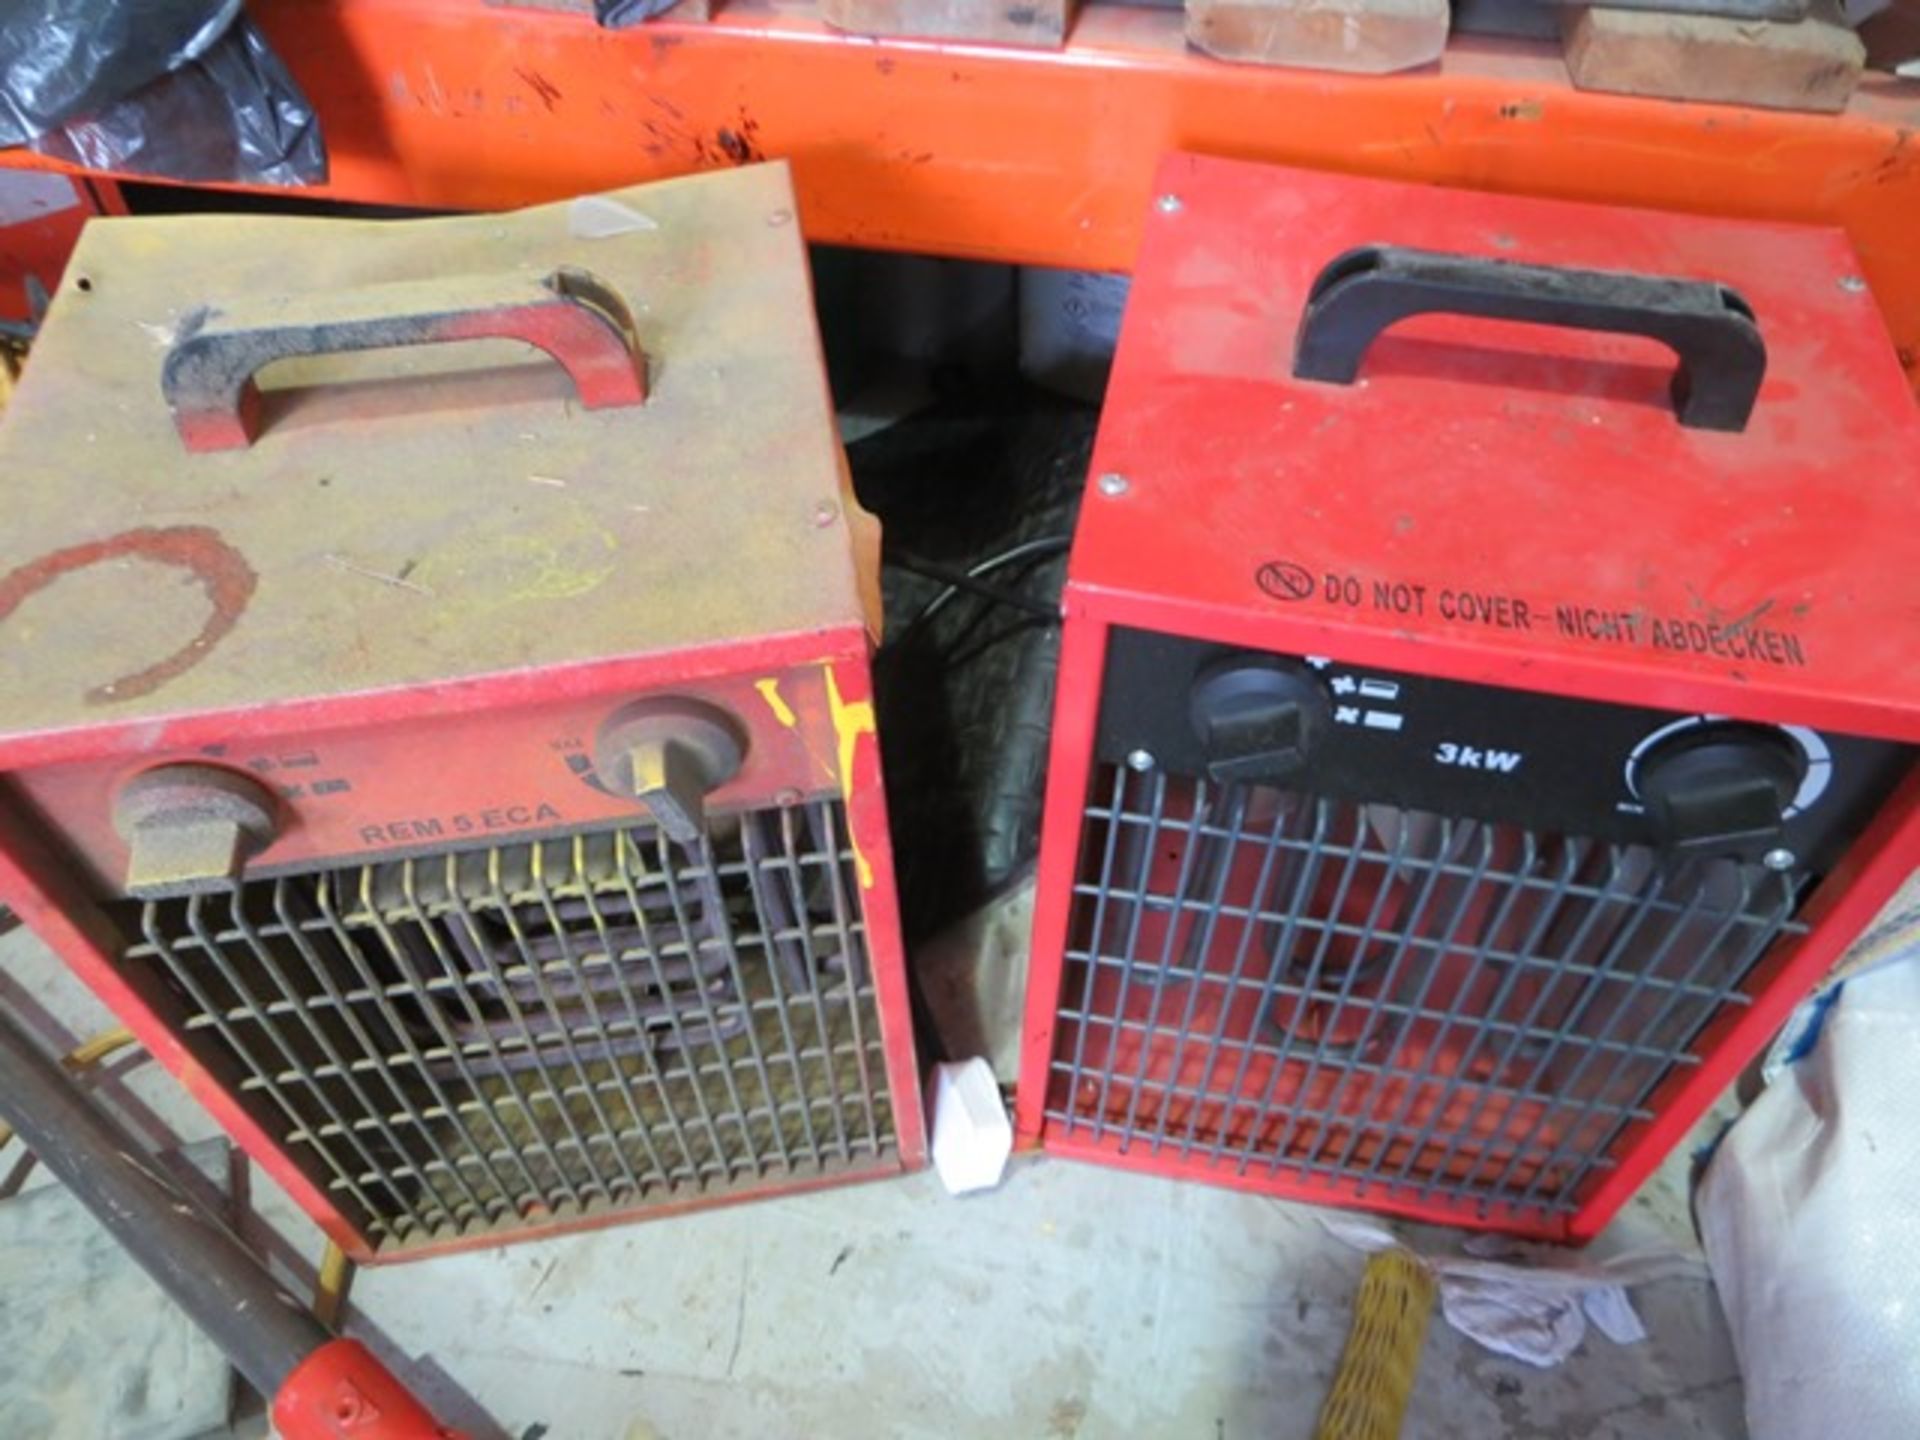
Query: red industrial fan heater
(456, 762)
(1488, 692)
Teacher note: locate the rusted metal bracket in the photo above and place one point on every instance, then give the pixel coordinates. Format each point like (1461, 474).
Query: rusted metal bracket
(578, 319)
(322, 1387)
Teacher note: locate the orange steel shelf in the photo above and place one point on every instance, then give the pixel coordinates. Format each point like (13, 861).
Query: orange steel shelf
(1039, 156)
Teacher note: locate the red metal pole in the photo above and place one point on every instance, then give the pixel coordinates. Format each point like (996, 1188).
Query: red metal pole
(342, 1392)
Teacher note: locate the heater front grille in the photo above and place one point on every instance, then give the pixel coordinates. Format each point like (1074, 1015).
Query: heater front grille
(1407, 1005)
(494, 1036)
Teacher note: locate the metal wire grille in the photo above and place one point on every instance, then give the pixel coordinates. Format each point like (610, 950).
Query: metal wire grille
(489, 1036)
(1413, 1005)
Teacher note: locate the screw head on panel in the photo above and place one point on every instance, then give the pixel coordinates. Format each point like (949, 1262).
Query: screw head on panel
(1111, 485)
(1852, 284)
(1168, 204)
(1779, 859)
(1141, 760)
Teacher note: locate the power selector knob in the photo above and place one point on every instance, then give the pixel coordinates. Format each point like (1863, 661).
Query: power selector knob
(190, 828)
(1722, 787)
(670, 754)
(1258, 717)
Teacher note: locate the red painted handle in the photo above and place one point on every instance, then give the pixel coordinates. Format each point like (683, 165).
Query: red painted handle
(341, 1392)
(208, 377)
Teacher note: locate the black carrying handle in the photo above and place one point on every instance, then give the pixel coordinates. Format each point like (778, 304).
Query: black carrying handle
(1711, 329)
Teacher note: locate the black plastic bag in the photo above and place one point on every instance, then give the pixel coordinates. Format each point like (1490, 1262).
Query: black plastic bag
(181, 89)
(619, 14)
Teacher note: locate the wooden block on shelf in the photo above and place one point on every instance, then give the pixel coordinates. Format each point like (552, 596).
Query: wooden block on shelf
(1006, 22)
(1370, 37)
(1810, 64)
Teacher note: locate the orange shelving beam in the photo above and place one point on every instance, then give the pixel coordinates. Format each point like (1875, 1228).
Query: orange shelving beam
(1039, 156)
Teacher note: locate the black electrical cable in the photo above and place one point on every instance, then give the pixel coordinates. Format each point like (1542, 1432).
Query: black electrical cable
(958, 582)
(1026, 549)
(965, 654)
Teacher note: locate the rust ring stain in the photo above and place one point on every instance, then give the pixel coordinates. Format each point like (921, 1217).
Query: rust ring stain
(221, 570)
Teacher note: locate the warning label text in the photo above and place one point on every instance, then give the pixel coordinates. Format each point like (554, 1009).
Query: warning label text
(1745, 639)
(1740, 640)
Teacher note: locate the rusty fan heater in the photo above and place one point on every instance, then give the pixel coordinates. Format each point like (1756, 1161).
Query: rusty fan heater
(455, 762)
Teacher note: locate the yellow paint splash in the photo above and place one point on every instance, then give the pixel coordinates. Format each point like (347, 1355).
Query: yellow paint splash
(770, 692)
(562, 552)
(850, 722)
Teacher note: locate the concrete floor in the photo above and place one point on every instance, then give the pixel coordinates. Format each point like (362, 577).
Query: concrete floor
(1071, 1304)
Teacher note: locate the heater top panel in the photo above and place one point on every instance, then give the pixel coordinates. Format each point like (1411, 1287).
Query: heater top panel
(1642, 457)
(246, 464)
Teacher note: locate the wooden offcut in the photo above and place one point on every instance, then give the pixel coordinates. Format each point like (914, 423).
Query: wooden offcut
(1362, 36)
(1812, 64)
(1006, 22)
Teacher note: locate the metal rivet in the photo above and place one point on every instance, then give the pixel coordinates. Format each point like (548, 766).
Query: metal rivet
(825, 513)
(1852, 284)
(1111, 484)
(1141, 760)
(1781, 859)
(1168, 204)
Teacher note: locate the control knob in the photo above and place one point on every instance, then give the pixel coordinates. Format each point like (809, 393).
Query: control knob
(1258, 717)
(1720, 787)
(189, 828)
(669, 754)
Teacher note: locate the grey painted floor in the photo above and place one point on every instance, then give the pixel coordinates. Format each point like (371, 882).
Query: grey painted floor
(1071, 1304)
